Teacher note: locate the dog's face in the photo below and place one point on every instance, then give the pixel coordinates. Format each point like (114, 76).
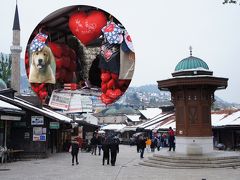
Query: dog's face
(41, 59)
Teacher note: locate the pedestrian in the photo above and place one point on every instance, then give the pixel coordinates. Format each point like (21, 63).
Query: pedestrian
(74, 151)
(137, 143)
(99, 144)
(94, 144)
(158, 143)
(163, 140)
(114, 147)
(142, 146)
(152, 146)
(171, 139)
(105, 148)
(148, 144)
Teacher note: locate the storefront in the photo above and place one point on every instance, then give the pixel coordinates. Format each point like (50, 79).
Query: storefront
(8, 115)
(40, 130)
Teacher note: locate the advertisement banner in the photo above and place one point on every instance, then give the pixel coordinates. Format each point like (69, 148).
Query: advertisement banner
(37, 120)
(60, 100)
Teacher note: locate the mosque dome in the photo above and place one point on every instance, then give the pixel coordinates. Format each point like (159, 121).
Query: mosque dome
(191, 66)
(191, 63)
(2, 84)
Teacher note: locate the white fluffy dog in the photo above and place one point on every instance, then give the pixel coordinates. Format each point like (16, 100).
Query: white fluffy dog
(40, 68)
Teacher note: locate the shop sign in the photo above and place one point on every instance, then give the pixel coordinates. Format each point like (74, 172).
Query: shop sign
(37, 120)
(41, 137)
(80, 103)
(37, 130)
(20, 124)
(86, 104)
(60, 100)
(10, 118)
(26, 135)
(54, 125)
(75, 104)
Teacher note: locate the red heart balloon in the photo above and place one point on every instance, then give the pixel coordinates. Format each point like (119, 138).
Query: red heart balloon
(111, 84)
(56, 49)
(66, 61)
(105, 77)
(105, 99)
(43, 94)
(104, 87)
(114, 94)
(87, 26)
(114, 76)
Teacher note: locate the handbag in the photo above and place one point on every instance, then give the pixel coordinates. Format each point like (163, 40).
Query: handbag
(70, 149)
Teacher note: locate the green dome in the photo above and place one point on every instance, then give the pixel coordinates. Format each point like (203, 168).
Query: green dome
(191, 63)
(2, 84)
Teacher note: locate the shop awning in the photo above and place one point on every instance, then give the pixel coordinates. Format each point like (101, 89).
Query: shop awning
(43, 111)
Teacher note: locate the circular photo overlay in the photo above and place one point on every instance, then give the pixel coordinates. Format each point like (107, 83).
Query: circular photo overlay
(79, 56)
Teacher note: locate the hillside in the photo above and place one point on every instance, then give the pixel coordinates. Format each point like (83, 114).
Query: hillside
(151, 96)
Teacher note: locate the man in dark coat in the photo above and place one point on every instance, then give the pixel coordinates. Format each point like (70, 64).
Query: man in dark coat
(171, 139)
(74, 151)
(99, 144)
(94, 143)
(105, 148)
(114, 147)
(142, 145)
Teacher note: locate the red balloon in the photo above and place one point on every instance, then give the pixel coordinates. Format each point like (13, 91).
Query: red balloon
(87, 26)
(65, 61)
(105, 99)
(43, 95)
(58, 63)
(72, 55)
(104, 87)
(105, 77)
(56, 49)
(114, 94)
(111, 84)
(114, 76)
(73, 66)
(65, 49)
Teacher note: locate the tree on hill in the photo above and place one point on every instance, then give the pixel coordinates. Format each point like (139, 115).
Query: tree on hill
(230, 2)
(5, 68)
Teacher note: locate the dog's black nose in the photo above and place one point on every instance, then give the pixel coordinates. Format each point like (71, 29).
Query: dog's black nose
(40, 61)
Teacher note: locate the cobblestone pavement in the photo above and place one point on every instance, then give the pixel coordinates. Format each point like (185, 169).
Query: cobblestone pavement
(58, 166)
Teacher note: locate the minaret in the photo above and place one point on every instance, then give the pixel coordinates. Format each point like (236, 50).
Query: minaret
(16, 50)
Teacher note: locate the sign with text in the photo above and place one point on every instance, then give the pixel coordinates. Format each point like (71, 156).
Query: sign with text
(80, 103)
(60, 100)
(41, 137)
(37, 120)
(54, 125)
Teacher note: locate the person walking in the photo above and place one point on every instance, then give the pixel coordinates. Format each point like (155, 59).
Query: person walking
(105, 148)
(148, 144)
(99, 144)
(142, 146)
(74, 151)
(94, 144)
(171, 139)
(114, 147)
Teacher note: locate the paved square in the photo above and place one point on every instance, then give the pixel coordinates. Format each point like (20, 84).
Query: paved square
(58, 166)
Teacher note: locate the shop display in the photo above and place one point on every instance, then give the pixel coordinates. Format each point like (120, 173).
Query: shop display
(90, 55)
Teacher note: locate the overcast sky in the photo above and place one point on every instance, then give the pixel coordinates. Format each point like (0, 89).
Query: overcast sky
(161, 30)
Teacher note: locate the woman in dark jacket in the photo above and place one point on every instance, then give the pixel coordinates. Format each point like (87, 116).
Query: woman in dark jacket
(105, 148)
(114, 147)
(74, 152)
(142, 145)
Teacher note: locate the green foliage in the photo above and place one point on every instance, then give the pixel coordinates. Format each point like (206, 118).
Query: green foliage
(5, 68)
